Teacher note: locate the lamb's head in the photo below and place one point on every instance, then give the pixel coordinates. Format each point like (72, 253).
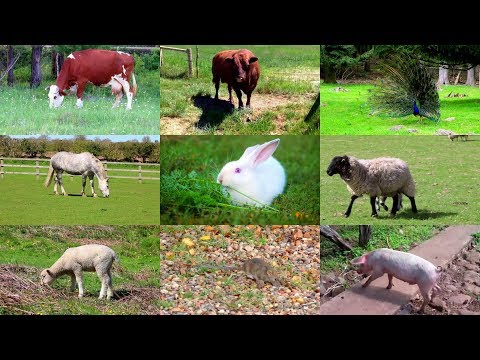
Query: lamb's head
(46, 277)
(340, 165)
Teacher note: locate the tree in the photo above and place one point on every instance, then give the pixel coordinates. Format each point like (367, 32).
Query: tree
(145, 148)
(36, 74)
(365, 232)
(57, 62)
(10, 64)
(443, 75)
(470, 77)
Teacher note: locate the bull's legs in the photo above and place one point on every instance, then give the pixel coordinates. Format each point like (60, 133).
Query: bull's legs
(126, 89)
(230, 94)
(249, 95)
(80, 89)
(91, 185)
(217, 86)
(239, 96)
(84, 181)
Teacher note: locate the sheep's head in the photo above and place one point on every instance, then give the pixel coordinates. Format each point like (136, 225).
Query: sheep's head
(339, 165)
(46, 277)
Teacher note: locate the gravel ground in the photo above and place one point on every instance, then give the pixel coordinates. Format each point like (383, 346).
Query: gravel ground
(187, 288)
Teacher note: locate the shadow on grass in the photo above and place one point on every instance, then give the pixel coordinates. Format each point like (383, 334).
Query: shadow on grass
(173, 76)
(122, 293)
(424, 215)
(213, 111)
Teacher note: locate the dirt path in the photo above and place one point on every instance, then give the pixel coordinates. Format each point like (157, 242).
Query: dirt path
(260, 104)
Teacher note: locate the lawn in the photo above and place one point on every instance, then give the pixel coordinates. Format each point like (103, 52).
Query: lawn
(282, 101)
(26, 250)
(447, 180)
(395, 237)
(348, 113)
(25, 111)
(189, 193)
(25, 200)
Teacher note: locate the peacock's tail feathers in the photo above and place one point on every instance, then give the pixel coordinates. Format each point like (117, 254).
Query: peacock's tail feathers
(406, 81)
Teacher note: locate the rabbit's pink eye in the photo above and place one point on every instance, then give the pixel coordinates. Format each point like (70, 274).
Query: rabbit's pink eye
(237, 170)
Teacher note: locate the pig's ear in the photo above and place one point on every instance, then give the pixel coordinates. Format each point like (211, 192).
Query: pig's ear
(358, 261)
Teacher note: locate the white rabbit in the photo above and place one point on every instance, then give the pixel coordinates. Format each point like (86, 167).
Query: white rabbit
(256, 174)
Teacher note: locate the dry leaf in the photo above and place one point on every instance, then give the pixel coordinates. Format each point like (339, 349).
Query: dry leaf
(205, 238)
(188, 242)
(192, 251)
(169, 255)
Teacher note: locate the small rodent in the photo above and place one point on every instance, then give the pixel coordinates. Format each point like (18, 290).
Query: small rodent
(255, 268)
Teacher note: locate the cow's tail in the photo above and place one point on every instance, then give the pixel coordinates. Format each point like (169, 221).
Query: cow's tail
(134, 85)
(49, 178)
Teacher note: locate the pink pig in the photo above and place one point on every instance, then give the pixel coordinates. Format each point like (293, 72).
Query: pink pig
(404, 266)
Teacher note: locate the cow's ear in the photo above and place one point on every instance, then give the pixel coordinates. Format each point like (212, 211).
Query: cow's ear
(253, 59)
(229, 60)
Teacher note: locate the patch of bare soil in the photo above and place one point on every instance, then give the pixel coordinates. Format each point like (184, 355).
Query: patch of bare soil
(190, 288)
(460, 288)
(260, 103)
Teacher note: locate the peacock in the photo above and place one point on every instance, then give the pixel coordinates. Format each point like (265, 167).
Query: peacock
(407, 88)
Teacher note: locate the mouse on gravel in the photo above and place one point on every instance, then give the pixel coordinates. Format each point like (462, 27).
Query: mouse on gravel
(257, 269)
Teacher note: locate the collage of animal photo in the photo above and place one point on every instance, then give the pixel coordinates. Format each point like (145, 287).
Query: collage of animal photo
(398, 147)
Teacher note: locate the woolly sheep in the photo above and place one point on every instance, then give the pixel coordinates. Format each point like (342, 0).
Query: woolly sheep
(74, 261)
(387, 177)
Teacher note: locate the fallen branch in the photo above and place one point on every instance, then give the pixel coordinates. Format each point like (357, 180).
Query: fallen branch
(328, 233)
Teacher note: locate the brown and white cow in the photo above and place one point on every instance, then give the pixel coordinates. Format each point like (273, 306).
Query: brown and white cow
(239, 69)
(99, 67)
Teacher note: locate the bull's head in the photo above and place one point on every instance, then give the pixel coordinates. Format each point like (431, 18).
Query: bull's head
(240, 65)
(54, 96)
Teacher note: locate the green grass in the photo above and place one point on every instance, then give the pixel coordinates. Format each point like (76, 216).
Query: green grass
(288, 82)
(26, 111)
(190, 195)
(395, 237)
(25, 200)
(39, 247)
(446, 179)
(347, 113)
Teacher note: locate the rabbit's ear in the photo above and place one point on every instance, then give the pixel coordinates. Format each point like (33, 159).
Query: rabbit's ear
(249, 150)
(263, 152)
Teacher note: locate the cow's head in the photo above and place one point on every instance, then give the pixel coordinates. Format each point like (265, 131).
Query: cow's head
(240, 65)
(54, 96)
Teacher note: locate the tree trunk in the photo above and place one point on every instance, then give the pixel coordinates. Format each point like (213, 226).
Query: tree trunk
(10, 60)
(36, 75)
(366, 66)
(328, 233)
(57, 62)
(471, 77)
(364, 235)
(443, 76)
(329, 74)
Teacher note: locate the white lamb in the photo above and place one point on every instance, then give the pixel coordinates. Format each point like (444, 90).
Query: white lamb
(74, 261)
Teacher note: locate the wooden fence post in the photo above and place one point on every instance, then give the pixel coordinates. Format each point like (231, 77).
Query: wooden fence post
(37, 169)
(1, 167)
(196, 60)
(161, 57)
(140, 173)
(190, 62)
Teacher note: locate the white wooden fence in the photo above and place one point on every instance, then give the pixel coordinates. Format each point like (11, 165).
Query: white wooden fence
(4, 163)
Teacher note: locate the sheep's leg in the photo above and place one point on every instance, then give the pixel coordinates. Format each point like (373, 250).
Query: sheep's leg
(84, 182)
(373, 204)
(79, 278)
(412, 201)
(72, 283)
(349, 210)
(395, 205)
(109, 286)
(104, 278)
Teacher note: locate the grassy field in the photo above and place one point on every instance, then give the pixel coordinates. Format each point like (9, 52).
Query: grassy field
(26, 111)
(284, 96)
(25, 200)
(190, 194)
(348, 113)
(395, 237)
(26, 250)
(447, 180)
